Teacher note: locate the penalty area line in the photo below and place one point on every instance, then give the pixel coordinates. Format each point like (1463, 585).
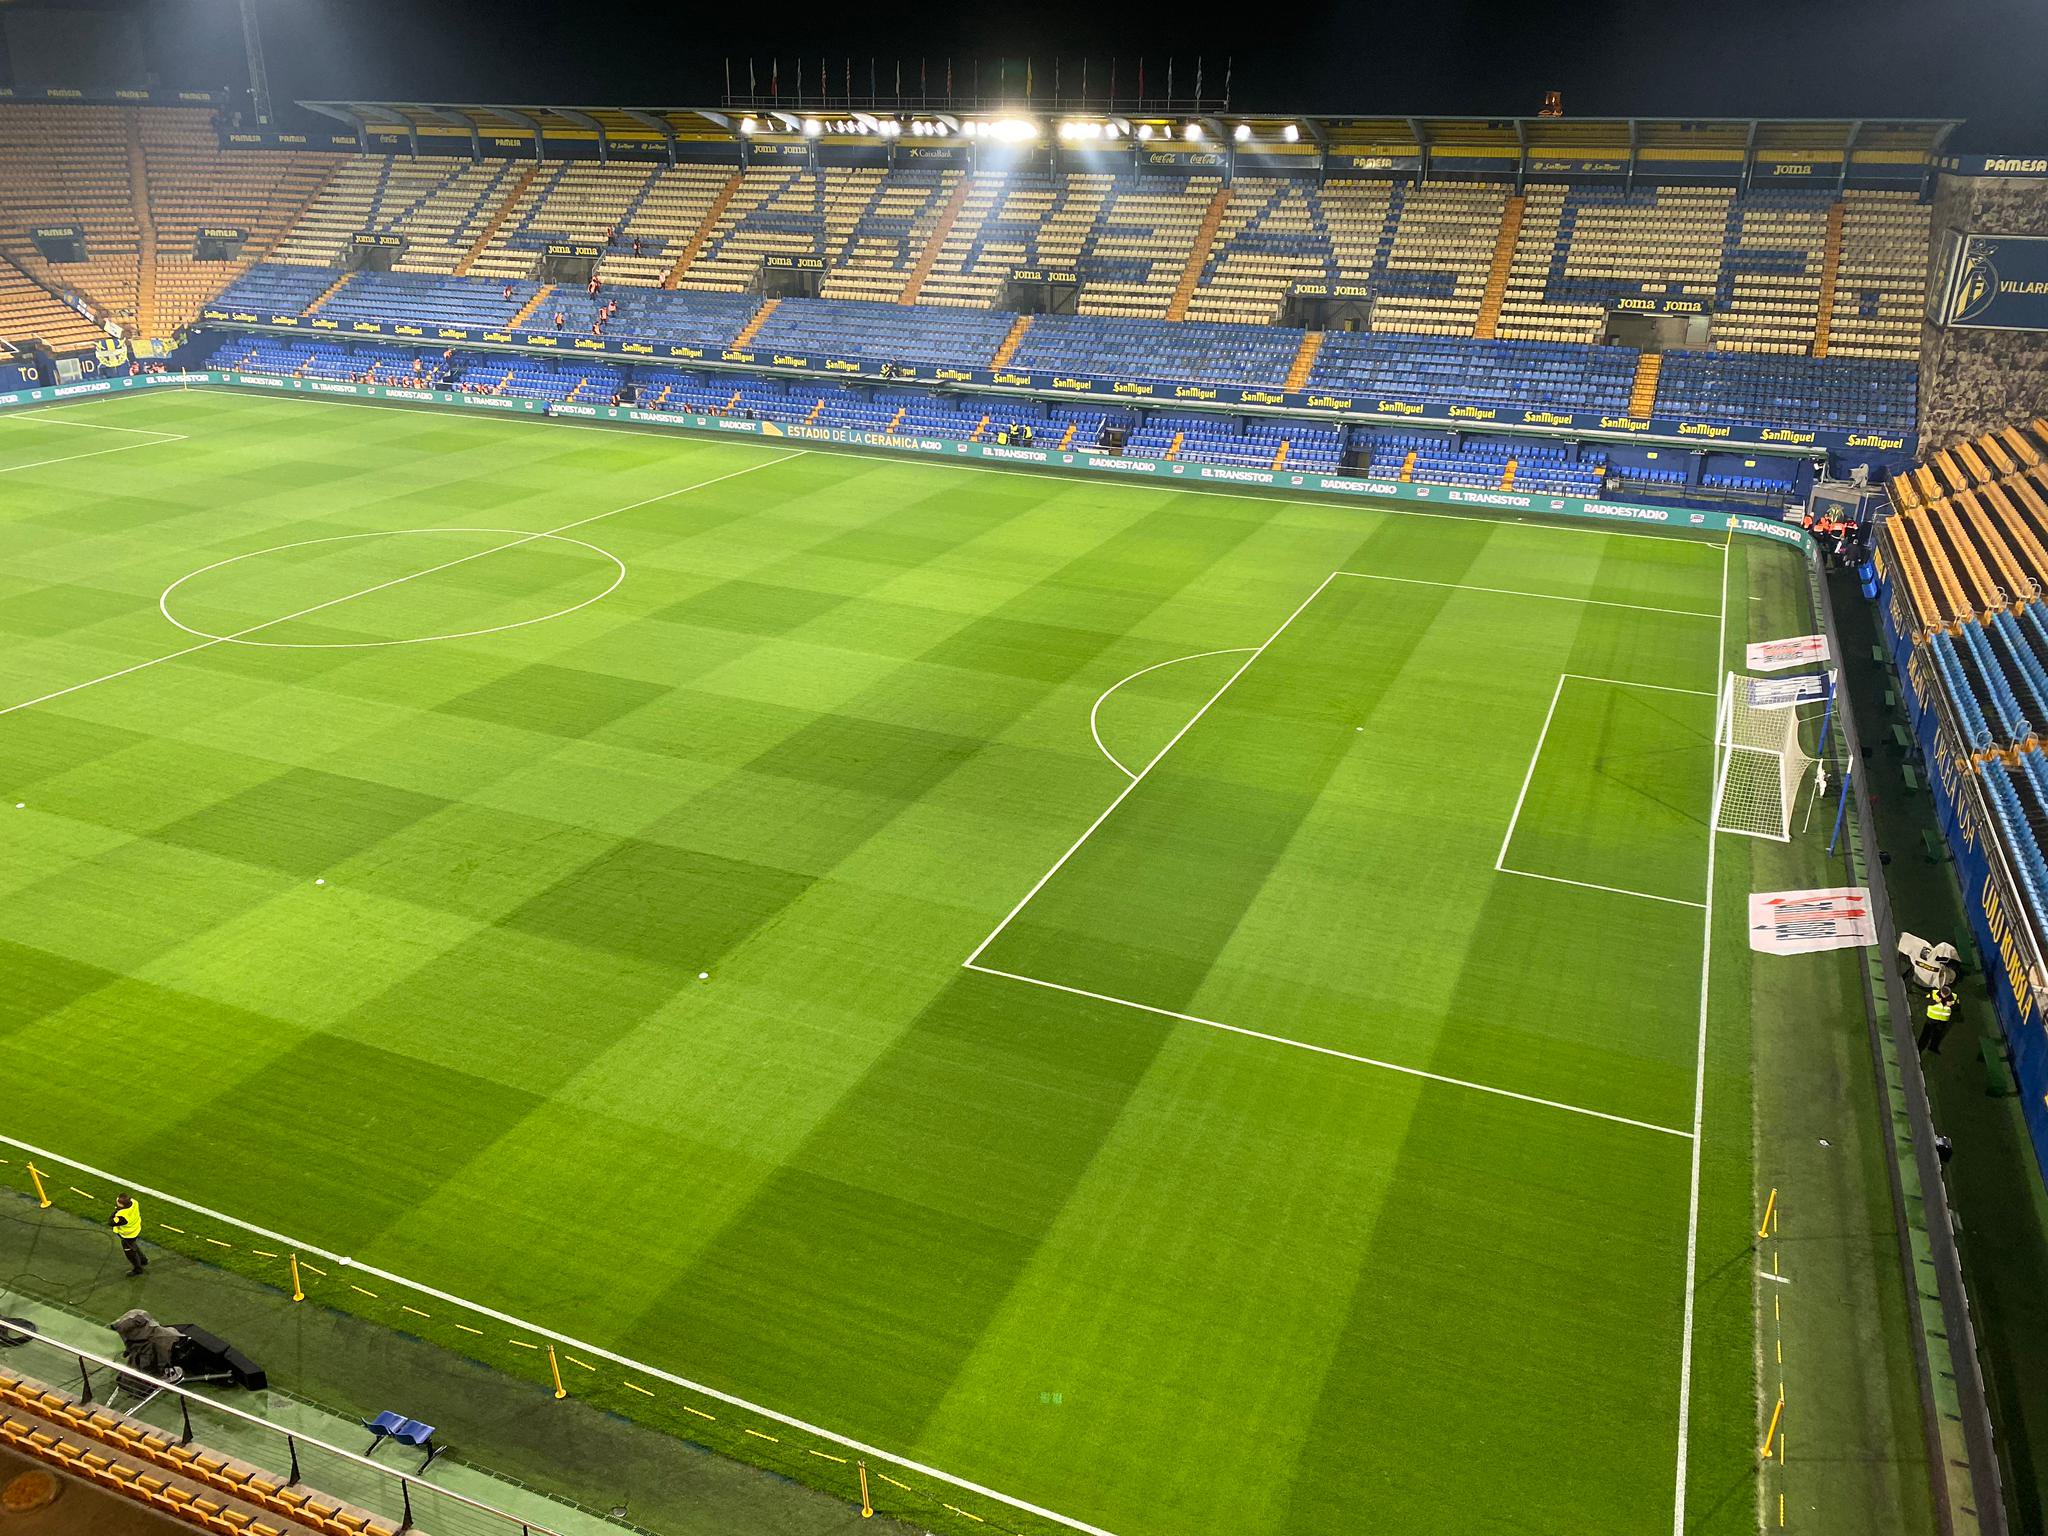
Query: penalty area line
(1341, 1055)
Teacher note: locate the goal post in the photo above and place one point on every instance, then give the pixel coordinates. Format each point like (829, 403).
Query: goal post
(1759, 764)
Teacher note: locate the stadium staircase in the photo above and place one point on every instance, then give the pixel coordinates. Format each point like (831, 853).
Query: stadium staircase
(1830, 277)
(1507, 475)
(816, 410)
(1007, 349)
(1408, 466)
(1067, 437)
(702, 234)
(1280, 457)
(1304, 360)
(497, 220)
(753, 327)
(896, 420)
(1199, 256)
(1642, 394)
(138, 190)
(1503, 265)
(935, 244)
(1173, 448)
(979, 428)
(329, 292)
(531, 306)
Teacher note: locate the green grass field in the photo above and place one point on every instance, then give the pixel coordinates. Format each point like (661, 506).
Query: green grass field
(1257, 1098)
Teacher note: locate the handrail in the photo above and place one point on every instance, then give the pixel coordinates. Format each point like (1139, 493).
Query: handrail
(293, 1437)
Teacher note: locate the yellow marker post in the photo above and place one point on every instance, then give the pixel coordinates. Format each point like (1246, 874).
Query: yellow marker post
(867, 1507)
(555, 1370)
(1771, 1434)
(1770, 1211)
(298, 1290)
(42, 1199)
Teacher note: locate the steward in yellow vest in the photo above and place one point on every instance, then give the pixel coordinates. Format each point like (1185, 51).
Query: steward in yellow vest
(127, 1224)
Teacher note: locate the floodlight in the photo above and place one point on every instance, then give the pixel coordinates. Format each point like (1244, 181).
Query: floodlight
(812, 127)
(1144, 130)
(1290, 133)
(1194, 133)
(748, 125)
(1242, 132)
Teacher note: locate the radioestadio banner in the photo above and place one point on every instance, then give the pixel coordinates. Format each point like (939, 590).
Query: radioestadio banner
(1999, 283)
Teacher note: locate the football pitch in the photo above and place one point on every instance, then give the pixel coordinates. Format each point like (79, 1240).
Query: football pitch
(1203, 1013)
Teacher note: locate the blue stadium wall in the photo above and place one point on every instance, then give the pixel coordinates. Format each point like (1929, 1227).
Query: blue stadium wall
(1994, 923)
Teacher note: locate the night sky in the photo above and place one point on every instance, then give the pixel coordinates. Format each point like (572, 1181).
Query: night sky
(1982, 60)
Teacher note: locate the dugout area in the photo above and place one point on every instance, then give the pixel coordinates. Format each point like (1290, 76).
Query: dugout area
(1320, 1124)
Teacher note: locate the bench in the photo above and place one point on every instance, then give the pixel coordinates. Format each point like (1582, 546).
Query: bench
(1902, 737)
(1937, 850)
(396, 1426)
(1912, 779)
(1877, 654)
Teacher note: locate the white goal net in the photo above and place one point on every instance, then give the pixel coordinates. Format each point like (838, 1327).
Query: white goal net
(1759, 764)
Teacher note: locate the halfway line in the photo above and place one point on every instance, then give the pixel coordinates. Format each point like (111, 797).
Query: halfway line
(1329, 1050)
(381, 586)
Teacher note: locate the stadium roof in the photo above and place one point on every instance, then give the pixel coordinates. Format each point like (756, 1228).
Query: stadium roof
(1831, 140)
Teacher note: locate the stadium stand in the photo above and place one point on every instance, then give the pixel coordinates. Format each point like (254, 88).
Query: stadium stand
(1879, 296)
(1011, 220)
(437, 206)
(1838, 394)
(191, 184)
(1455, 370)
(1433, 279)
(139, 183)
(187, 1483)
(885, 333)
(782, 212)
(1579, 249)
(1197, 351)
(69, 165)
(1148, 235)
(30, 312)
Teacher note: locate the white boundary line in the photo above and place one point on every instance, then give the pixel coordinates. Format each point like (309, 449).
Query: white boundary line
(1102, 698)
(346, 597)
(47, 416)
(1590, 885)
(1529, 777)
(1548, 597)
(1328, 1050)
(1139, 777)
(1699, 1091)
(92, 453)
(356, 1266)
(1500, 862)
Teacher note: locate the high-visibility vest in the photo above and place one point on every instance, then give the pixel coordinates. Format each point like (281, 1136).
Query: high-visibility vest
(1937, 1011)
(128, 1220)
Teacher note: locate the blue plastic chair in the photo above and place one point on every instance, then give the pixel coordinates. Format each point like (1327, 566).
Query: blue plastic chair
(396, 1426)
